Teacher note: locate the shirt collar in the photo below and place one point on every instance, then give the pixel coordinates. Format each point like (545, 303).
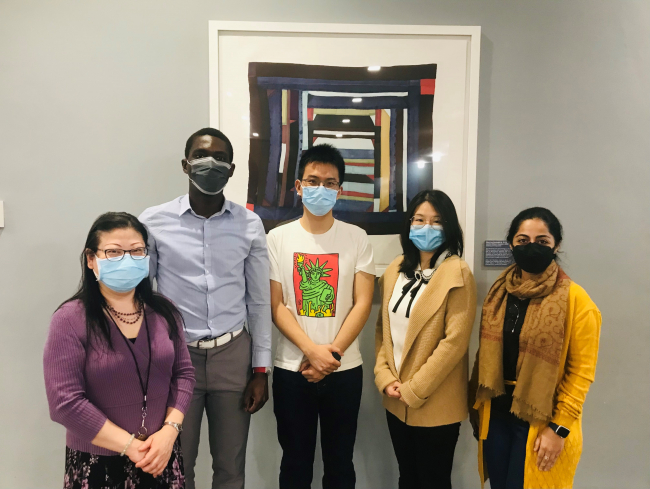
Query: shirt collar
(441, 258)
(186, 207)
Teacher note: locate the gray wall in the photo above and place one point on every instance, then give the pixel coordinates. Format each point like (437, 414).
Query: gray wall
(97, 99)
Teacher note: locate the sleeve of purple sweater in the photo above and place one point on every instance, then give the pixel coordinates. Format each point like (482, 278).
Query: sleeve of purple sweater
(63, 364)
(182, 385)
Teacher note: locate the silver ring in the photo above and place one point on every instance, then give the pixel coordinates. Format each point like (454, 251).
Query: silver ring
(546, 457)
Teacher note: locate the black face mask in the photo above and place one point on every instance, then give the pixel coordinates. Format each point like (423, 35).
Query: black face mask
(209, 175)
(533, 257)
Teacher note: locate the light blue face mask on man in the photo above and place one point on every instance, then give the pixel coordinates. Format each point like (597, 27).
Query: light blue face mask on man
(319, 200)
(427, 237)
(123, 275)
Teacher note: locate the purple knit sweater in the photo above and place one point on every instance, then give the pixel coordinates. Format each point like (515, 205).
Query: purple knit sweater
(86, 386)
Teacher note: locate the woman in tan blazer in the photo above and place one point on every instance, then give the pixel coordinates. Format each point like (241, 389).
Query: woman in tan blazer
(423, 331)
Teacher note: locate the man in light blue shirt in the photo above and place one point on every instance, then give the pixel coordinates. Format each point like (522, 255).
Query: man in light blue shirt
(209, 256)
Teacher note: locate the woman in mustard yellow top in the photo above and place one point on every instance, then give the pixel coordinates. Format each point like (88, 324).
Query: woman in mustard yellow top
(536, 360)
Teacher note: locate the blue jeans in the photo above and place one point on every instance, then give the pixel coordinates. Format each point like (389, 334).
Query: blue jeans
(505, 451)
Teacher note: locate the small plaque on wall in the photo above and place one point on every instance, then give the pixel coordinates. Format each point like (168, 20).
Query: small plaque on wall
(497, 254)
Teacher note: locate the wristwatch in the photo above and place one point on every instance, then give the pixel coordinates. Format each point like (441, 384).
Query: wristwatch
(177, 426)
(559, 430)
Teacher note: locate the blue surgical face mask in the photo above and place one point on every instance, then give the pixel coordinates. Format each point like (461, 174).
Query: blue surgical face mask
(123, 275)
(319, 200)
(427, 237)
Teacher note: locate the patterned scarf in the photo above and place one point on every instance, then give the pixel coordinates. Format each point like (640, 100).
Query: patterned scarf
(540, 341)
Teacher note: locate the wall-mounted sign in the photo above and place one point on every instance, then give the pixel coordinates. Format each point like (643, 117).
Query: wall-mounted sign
(497, 254)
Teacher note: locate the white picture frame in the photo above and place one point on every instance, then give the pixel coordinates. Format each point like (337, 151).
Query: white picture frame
(455, 50)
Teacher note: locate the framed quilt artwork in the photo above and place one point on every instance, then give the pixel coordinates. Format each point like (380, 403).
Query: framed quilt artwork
(399, 102)
(380, 121)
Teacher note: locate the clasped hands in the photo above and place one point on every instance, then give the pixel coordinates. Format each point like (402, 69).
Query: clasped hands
(320, 362)
(393, 390)
(152, 455)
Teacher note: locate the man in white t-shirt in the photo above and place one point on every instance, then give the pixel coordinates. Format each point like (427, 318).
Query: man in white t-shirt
(322, 281)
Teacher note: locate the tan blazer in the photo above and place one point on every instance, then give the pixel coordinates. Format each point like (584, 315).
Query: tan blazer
(434, 369)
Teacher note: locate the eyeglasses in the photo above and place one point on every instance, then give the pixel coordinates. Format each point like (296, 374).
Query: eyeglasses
(513, 310)
(117, 255)
(313, 182)
(418, 222)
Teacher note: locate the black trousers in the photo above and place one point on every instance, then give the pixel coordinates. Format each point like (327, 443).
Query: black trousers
(298, 406)
(425, 456)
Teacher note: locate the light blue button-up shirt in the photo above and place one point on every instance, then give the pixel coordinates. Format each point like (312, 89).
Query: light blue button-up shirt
(216, 270)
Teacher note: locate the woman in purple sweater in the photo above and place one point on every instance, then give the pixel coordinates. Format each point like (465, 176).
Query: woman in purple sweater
(117, 371)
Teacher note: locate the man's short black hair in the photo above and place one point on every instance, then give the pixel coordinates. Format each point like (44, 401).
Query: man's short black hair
(322, 153)
(209, 131)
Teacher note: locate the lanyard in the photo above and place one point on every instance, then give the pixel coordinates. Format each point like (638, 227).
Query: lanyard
(144, 385)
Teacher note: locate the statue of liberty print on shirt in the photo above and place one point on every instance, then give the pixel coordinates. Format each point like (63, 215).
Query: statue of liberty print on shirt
(315, 282)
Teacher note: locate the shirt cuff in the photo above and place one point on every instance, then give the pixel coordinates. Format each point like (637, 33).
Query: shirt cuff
(563, 419)
(261, 370)
(383, 379)
(89, 426)
(262, 359)
(411, 399)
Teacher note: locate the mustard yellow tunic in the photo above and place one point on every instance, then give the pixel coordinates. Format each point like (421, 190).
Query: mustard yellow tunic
(576, 373)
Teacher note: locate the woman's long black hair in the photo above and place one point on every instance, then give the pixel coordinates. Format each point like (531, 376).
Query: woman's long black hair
(453, 233)
(552, 222)
(97, 324)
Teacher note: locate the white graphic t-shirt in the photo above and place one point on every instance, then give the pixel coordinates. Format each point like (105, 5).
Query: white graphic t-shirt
(317, 276)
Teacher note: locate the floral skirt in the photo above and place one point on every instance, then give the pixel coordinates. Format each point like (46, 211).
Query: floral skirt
(84, 470)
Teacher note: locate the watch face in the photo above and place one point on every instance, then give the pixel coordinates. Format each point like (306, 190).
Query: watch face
(562, 431)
